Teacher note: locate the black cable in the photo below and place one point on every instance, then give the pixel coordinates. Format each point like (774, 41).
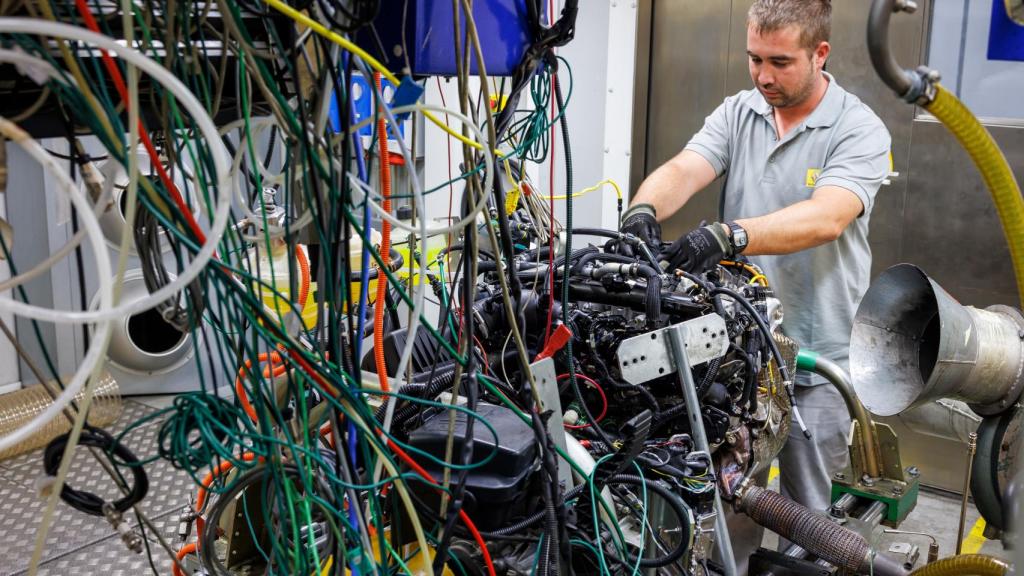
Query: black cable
(86, 501)
(760, 324)
(678, 507)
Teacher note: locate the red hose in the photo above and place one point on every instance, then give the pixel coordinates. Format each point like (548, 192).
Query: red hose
(385, 246)
(185, 551)
(303, 261)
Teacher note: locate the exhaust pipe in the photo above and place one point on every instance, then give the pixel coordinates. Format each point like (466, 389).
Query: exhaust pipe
(912, 343)
(814, 532)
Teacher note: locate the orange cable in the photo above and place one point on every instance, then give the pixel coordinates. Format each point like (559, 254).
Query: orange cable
(385, 245)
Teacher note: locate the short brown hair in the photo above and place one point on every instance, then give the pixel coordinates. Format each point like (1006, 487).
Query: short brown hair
(813, 17)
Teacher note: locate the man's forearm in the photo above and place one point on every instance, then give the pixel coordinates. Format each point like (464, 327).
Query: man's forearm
(802, 225)
(670, 186)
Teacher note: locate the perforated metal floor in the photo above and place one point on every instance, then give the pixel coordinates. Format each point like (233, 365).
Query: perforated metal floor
(79, 544)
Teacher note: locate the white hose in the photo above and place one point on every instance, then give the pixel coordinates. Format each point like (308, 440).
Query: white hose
(91, 225)
(219, 153)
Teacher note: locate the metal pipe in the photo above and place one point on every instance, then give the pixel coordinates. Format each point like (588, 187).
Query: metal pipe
(882, 59)
(675, 337)
(972, 446)
(838, 377)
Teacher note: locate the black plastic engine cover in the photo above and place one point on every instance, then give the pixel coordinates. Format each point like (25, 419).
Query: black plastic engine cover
(495, 492)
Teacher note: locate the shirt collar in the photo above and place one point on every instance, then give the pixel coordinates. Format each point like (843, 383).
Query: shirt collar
(826, 113)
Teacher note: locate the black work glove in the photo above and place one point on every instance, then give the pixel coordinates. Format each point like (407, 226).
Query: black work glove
(640, 221)
(698, 251)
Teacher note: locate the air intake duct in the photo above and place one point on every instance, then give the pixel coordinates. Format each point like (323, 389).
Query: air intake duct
(912, 343)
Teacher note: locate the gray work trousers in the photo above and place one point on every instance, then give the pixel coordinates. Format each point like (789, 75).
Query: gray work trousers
(806, 465)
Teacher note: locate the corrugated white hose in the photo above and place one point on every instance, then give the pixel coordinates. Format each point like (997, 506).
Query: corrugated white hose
(219, 153)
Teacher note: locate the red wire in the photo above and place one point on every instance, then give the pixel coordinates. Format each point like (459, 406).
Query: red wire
(122, 90)
(600, 391)
(462, 513)
(487, 360)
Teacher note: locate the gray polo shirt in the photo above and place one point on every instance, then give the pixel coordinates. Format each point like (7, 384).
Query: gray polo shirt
(841, 143)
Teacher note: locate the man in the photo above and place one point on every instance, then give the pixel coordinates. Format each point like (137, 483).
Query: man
(803, 160)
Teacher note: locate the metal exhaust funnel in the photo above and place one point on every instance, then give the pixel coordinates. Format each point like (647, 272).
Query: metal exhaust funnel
(913, 343)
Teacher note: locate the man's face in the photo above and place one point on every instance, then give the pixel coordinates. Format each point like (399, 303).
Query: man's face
(783, 70)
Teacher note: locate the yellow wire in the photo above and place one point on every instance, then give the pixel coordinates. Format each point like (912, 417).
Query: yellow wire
(370, 60)
(607, 181)
(327, 566)
(757, 275)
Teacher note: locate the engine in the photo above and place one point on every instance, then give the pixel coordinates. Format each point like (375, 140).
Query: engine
(631, 441)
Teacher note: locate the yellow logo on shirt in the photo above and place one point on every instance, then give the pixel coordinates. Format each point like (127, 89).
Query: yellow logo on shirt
(812, 177)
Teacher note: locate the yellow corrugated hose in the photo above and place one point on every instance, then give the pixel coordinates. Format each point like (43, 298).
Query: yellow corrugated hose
(964, 565)
(994, 169)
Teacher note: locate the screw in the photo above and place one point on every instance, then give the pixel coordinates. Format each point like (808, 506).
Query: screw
(913, 471)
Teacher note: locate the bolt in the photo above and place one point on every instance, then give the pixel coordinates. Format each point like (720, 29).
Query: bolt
(908, 6)
(913, 471)
(840, 476)
(897, 490)
(867, 481)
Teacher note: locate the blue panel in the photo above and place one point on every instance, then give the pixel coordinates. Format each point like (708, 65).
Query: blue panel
(362, 104)
(502, 25)
(1006, 37)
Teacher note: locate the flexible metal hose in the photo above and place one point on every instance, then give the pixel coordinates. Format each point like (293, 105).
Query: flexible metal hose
(815, 533)
(964, 565)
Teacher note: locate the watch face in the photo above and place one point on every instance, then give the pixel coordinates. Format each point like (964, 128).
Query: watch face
(739, 237)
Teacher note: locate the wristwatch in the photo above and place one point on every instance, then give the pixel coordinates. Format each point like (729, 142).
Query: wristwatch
(737, 237)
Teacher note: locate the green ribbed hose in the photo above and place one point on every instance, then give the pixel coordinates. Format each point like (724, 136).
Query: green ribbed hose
(994, 168)
(963, 565)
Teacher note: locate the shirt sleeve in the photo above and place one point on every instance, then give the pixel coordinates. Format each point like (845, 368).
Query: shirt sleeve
(860, 160)
(712, 142)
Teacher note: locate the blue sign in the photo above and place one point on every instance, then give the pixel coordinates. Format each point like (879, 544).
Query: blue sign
(1006, 37)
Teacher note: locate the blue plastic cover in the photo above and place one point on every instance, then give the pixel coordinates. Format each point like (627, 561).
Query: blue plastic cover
(1006, 37)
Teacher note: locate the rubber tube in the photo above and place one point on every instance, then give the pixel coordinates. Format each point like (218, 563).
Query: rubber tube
(964, 565)
(878, 48)
(995, 170)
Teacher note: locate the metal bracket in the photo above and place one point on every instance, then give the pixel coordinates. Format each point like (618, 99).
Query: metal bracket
(547, 388)
(648, 356)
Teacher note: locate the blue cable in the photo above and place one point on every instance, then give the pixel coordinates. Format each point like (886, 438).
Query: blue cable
(364, 280)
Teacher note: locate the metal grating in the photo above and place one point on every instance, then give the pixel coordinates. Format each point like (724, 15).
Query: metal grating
(78, 543)
(130, 412)
(110, 557)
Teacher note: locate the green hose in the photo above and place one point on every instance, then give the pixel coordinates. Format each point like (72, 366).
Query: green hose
(994, 169)
(964, 565)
